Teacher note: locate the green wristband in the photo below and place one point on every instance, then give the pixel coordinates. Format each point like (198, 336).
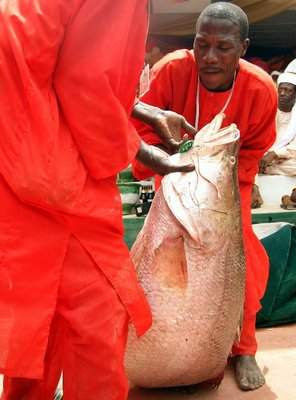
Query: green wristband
(186, 146)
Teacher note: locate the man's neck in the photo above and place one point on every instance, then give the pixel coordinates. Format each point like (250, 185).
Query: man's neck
(225, 88)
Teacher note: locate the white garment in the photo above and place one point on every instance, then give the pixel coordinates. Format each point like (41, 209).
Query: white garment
(283, 120)
(285, 144)
(287, 152)
(286, 122)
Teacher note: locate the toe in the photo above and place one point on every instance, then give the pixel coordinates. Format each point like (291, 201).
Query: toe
(244, 384)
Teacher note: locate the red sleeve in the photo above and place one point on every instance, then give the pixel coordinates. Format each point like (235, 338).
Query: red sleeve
(158, 95)
(261, 134)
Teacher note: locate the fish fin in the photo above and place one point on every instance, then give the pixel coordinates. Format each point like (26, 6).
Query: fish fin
(180, 195)
(170, 264)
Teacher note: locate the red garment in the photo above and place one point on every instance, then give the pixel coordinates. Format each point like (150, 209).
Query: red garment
(69, 71)
(253, 108)
(89, 349)
(248, 343)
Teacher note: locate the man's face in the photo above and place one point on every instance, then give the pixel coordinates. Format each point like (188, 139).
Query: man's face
(217, 50)
(286, 96)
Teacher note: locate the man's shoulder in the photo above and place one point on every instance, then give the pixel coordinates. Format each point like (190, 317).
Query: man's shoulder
(177, 58)
(257, 79)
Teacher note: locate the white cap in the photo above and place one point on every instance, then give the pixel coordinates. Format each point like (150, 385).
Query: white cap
(291, 67)
(287, 77)
(275, 73)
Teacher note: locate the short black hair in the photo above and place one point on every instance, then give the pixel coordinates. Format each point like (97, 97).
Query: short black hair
(229, 11)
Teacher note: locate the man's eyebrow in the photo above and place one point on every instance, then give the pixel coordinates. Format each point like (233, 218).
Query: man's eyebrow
(227, 39)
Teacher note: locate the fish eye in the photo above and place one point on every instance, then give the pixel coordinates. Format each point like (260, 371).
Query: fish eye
(232, 160)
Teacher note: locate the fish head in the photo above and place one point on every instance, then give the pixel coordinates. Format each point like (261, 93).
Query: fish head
(212, 186)
(215, 158)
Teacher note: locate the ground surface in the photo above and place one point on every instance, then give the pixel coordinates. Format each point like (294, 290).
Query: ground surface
(277, 358)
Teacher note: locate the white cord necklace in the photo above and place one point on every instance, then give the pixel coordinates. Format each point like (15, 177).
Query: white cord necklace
(224, 107)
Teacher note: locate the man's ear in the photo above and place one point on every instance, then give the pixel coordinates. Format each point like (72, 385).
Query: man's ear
(245, 45)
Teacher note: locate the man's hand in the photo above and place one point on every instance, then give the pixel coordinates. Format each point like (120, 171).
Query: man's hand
(168, 125)
(159, 161)
(267, 160)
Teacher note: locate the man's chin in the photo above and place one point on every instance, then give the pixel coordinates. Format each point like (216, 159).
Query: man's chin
(213, 84)
(210, 84)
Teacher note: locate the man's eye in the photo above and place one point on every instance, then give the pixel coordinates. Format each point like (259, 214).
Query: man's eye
(224, 48)
(202, 45)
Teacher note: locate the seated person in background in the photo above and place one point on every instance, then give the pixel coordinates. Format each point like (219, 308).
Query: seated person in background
(275, 75)
(257, 200)
(281, 158)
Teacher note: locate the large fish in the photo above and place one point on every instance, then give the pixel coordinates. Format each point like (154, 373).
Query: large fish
(190, 261)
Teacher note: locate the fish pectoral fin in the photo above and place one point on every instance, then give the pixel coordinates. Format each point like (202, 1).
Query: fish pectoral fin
(170, 264)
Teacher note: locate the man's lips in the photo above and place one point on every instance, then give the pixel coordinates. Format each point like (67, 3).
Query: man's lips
(211, 71)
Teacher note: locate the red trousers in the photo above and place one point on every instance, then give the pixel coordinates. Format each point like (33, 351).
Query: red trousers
(87, 338)
(257, 268)
(248, 343)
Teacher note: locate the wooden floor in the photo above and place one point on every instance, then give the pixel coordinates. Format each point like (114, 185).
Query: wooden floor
(277, 358)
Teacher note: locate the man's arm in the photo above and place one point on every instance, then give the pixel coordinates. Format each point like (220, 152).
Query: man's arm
(168, 125)
(159, 161)
(261, 136)
(160, 96)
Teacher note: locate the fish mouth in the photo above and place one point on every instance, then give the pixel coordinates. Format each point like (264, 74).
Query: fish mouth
(229, 135)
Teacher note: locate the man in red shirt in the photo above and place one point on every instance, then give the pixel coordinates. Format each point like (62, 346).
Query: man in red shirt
(69, 71)
(200, 84)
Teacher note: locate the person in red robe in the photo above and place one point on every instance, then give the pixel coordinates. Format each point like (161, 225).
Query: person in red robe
(200, 84)
(68, 289)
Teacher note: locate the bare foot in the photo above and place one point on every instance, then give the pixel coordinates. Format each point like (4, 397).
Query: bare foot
(247, 373)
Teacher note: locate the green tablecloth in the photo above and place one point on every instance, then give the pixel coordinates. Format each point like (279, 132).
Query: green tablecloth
(132, 226)
(279, 302)
(279, 216)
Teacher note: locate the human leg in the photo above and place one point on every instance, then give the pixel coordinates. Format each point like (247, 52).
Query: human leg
(34, 389)
(247, 372)
(87, 339)
(96, 331)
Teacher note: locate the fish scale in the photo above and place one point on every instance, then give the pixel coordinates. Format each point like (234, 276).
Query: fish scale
(190, 261)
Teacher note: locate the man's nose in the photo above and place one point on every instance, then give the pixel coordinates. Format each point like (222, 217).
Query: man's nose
(211, 56)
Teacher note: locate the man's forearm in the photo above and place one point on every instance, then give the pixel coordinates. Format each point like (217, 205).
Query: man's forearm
(168, 125)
